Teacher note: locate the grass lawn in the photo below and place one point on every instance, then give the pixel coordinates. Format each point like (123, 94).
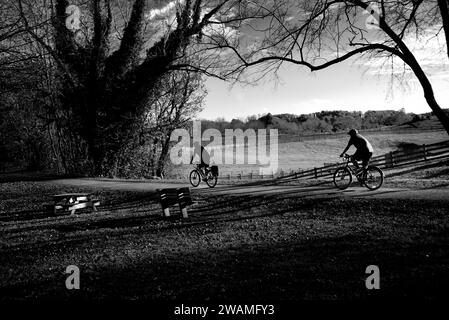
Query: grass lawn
(276, 247)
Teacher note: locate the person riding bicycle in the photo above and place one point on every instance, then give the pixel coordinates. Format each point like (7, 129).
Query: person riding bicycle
(202, 154)
(364, 149)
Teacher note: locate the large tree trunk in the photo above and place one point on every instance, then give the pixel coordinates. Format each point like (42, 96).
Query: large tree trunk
(444, 11)
(407, 56)
(429, 94)
(163, 157)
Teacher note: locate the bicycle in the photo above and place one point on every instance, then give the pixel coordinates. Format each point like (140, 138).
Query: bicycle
(372, 178)
(210, 176)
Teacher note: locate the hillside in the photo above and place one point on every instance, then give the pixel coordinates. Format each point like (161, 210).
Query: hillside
(330, 122)
(432, 123)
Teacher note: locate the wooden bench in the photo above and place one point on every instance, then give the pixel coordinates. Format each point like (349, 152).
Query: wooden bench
(175, 196)
(74, 201)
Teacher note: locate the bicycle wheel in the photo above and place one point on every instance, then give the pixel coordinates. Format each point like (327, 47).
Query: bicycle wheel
(374, 178)
(211, 179)
(195, 178)
(342, 178)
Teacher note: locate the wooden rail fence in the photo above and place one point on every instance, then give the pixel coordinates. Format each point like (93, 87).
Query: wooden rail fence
(391, 160)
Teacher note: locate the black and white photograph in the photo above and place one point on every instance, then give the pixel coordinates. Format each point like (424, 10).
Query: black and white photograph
(215, 159)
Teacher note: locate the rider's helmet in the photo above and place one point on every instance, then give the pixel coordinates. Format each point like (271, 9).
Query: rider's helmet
(353, 132)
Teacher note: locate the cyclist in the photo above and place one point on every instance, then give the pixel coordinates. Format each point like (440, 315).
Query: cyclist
(202, 154)
(364, 150)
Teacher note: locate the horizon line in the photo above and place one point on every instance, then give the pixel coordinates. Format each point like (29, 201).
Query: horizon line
(244, 118)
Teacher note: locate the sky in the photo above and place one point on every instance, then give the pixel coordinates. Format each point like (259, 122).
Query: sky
(348, 86)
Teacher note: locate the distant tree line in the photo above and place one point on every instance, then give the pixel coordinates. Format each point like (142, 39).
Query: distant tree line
(319, 122)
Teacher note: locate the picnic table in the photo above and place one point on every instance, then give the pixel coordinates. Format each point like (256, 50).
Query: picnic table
(74, 201)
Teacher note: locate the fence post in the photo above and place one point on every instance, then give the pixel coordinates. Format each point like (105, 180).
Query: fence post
(316, 173)
(424, 151)
(251, 175)
(391, 159)
(229, 176)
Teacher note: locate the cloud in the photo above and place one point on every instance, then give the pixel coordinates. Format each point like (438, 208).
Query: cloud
(429, 50)
(161, 20)
(165, 12)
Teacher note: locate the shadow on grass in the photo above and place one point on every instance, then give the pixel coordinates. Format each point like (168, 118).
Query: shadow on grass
(110, 201)
(320, 268)
(119, 226)
(19, 176)
(423, 167)
(141, 211)
(239, 208)
(145, 219)
(244, 187)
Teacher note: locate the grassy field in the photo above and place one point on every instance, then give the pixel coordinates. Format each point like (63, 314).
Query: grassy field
(264, 248)
(309, 154)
